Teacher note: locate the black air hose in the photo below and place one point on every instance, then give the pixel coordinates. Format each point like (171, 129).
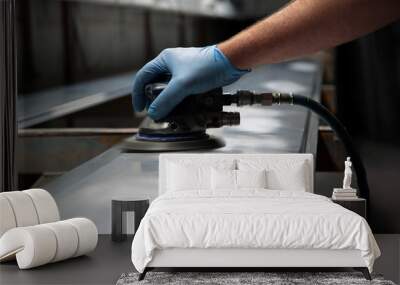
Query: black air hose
(342, 133)
(244, 97)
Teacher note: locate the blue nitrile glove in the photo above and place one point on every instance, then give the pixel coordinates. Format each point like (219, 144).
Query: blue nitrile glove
(192, 70)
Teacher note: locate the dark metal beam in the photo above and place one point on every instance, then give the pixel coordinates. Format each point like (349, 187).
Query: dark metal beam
(8, 94)
(73, 132)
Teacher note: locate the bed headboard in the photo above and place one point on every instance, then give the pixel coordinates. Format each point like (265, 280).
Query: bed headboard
(211, 158)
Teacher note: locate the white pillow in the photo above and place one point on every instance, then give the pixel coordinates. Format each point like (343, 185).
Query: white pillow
(181, 178)
(291, 179)
(223, 179)
(187, 176)
(251, 178)
(230, 180)
(282, 174)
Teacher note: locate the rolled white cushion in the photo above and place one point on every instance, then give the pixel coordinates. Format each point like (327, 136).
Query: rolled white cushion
(23, 208)
(87, 234)
(46, 207)
(7, 218)
(33, 246)
(67, 239)
(37, 245)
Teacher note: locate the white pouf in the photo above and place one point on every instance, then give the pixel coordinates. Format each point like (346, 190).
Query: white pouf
(46, 207)
(67, 237)
(7, 219)
(37, 245)
(32, 246)
(30, 230)
(87, 233)
(23, 208)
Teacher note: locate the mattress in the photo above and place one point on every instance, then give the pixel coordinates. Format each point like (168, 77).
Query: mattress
(250, 219)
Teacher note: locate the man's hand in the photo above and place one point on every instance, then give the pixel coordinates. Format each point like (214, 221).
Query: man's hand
(302, 27)
(192, 70)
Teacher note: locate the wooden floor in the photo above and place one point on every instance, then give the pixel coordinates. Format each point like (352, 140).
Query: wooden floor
(110, 260)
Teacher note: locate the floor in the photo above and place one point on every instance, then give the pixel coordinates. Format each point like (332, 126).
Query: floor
(110, 260)
(389, 262)
(103, 266)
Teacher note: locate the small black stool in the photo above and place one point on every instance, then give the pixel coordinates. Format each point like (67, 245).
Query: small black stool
(121, 205)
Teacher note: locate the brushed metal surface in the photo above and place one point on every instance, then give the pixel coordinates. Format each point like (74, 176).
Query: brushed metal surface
(49, 104)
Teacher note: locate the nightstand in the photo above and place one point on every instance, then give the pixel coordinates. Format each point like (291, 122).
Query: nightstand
(123, 205)
(357, 205)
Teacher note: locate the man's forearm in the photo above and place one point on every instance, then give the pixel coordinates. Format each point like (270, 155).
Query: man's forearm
(306, 26)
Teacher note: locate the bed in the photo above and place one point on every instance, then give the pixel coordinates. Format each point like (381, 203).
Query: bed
(247, 211)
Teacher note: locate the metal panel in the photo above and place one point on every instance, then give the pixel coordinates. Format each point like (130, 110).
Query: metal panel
(50, 104)
(61, 153)
(239, 9)
(8, 94)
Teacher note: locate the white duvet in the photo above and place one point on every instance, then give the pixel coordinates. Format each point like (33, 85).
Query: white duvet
(250, 219)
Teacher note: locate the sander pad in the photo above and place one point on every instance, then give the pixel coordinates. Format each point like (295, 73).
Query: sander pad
(165, 143)
(184, 128)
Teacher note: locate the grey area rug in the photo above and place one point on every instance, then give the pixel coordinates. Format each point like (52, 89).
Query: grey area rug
(269, 278)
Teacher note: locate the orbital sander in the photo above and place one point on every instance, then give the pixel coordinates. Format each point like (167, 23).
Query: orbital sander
(184, 128)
